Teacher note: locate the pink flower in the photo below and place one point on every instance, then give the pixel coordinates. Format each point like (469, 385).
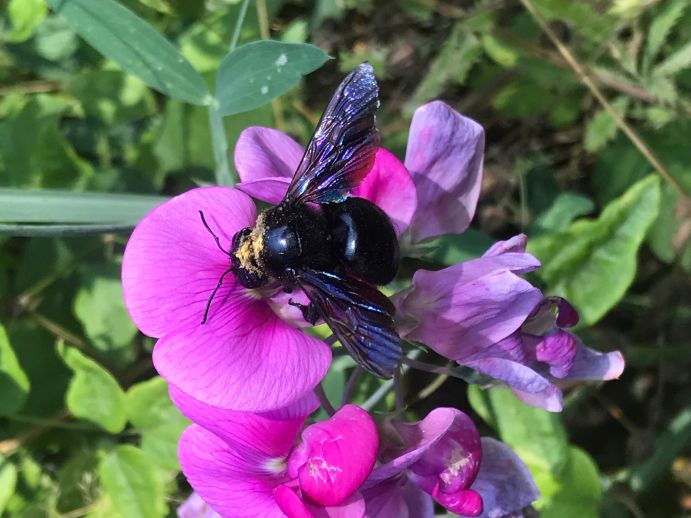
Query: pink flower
(481, 314)
(443, 456)
(244, 465)
(245, 357)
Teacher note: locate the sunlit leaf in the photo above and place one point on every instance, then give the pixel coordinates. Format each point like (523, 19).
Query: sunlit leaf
(14, 383)
(93, 395)
(123, 37)
(258, 72)
(24, 15)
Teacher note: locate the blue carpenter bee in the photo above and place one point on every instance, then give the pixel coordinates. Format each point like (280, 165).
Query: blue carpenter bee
(334, 247)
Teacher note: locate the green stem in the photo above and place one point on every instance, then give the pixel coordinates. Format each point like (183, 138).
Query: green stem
(62, 230)
(238, 25)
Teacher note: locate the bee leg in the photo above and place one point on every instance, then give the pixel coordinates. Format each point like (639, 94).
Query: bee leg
(309, 311)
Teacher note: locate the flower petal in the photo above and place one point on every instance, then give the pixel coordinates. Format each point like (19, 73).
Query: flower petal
(227, 479)
(389, 186)
(444, 157)
(338, 455)
(557, 349)
(516, 244)
(172, 264)
(503, 481)
(589, 364)
(400, 498)
(353, 507)
(266, 152)
(195, 507)
(272, 433)
(244, 358)
(290, 503)
(269, 190)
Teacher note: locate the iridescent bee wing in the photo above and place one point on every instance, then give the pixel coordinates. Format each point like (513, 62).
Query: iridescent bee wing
(360, 317)
(341, 151)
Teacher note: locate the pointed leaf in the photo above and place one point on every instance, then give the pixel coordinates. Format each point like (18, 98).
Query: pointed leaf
(123, 37)
(258, 72)
(14, 383)
(593, 262)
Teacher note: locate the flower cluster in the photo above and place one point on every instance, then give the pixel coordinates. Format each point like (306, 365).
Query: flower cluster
(246, 378)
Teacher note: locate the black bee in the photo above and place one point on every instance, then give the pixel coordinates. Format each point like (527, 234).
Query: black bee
(334, 247)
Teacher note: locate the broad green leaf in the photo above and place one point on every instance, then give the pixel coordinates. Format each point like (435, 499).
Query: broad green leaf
(93, 395)
(577, 491)
(123, 37)
(8, 481)
(602, 128)
(564, 209)
(152, 413)
(14, 383)
(132, 483)
(100, 308)
(454, 248)
(73, 207)
(593, 262)
(34, 153)
(24, 15)
(660, 28)
(258, 72)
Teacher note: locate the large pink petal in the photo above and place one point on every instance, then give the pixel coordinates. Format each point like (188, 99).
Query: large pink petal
(244, 358)
(389, 186)
(270, 190)
(273, 433)
(231, 481)
(336, 456)
(444, 157)
(171, 263)
(264, 153)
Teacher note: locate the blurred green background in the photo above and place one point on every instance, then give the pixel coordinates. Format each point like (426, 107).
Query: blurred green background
(586, 107)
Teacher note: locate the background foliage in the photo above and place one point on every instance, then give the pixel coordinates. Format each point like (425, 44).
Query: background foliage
(119, 104)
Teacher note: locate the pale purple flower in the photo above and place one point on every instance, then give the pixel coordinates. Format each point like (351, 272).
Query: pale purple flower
(444, 156)
(248, 464)
(195, 507)
(481, 314)
(245, 357)
(443, 458)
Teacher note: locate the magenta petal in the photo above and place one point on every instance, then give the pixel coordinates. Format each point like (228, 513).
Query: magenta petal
(465, 502)
(269, 190)
(444, 157)
(389, 186)
(503, 481)
(264, 153)
(291, 504)
(339, 454)
(231, 481)
(244, 358)
(353, 507)
(171, 263)
(272, 433)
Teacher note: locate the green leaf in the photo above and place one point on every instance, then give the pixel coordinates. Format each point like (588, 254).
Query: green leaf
(132, 483)
(123, 37)
(257, 72)
(502, 54)
(100, 308)
(454, 248)
(564, 209)
(152, 413)
(24, 15)
(593, 262)
(662, 237)
(602, 128)
(8, 481)
(675, 62)
(18, 205)
(93, 395)
(660, 28)
(14, 383)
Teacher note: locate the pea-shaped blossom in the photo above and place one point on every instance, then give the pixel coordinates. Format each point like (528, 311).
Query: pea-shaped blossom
(244, 357)
(483, 315)
(443, 458)
(246, 464)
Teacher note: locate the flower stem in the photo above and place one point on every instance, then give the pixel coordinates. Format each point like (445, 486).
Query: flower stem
(350, 384)
(238, 25)
(323, 400)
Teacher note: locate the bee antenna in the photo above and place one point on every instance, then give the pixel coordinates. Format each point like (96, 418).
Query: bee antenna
(213, 293)
(218, 241)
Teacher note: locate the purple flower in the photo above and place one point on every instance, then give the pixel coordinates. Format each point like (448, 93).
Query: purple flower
(443, 456)
(245, 357)
(481, 314)
(266, 160)
(247, 464)
(195, 507)
(444, 156)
